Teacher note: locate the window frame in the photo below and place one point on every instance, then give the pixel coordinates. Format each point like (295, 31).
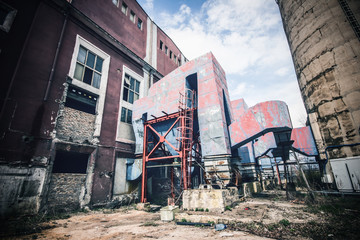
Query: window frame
(100, 92)
(132, 16)
(116, 4)
(85, 66)
(141, 24)
(122, 127)
(126, 116)
(136, 85)
(124, 6)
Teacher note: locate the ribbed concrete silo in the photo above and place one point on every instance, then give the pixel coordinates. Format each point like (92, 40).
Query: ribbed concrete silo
(324, 39)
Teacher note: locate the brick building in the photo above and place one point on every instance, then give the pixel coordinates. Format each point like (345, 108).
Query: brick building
(71, 71)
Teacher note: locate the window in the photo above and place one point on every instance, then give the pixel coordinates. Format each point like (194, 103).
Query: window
(115, 2)
(131, 89)
(126, 115)
(139, 23)
(166, 50)
(170, 54)
(124, 8)
(174, 58)
(132, 16)
(161, 45)
(179, 63)
(88, 67)
(7, 16)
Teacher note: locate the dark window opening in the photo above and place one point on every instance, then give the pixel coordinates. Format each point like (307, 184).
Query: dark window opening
(81, 100)
(161, 45)
(170, 54)
(70, 162)
(166, 50)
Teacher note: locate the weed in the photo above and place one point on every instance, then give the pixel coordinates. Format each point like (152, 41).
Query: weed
(183, 220)
(284, 222)
(227, 208)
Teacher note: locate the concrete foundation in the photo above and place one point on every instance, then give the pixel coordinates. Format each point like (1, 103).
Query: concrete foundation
(251, 187)
(206, 197)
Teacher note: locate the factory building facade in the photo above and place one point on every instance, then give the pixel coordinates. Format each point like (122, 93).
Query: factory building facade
(71, 73)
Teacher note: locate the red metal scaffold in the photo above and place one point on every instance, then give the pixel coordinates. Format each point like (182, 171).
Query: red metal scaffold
(184, 120)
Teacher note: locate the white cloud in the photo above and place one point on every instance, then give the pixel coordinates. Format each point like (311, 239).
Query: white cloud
(247, 39)
(282, 71)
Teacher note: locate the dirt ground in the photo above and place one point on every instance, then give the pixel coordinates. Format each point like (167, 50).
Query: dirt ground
(128, 224)
(255, 218)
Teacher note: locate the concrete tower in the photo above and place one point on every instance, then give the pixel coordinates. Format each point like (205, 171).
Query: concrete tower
(324, 39)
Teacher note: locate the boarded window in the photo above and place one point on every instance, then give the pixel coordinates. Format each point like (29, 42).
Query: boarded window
(81, 100)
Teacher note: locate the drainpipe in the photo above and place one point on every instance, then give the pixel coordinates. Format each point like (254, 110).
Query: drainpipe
(51, 77)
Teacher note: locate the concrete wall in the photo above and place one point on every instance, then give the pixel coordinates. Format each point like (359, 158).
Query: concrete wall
(20, 189)
(325, 51)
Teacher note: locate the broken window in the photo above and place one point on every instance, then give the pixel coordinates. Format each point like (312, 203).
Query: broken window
(124, 8)
(166, 50)
(88, 67)
(161, 45)
(81, 100)
(115, 2)
(7, 16)
(139, 23)
(126, 115)
(70, 162)
(131, 89)
(170, 54)
(132, 16)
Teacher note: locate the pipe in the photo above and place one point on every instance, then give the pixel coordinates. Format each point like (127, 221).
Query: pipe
(338, 146)
(51, 77)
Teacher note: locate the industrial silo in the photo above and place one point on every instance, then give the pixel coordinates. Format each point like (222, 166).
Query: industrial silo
(324, 40)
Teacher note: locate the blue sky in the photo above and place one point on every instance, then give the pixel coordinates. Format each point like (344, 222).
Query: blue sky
(246, 37)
